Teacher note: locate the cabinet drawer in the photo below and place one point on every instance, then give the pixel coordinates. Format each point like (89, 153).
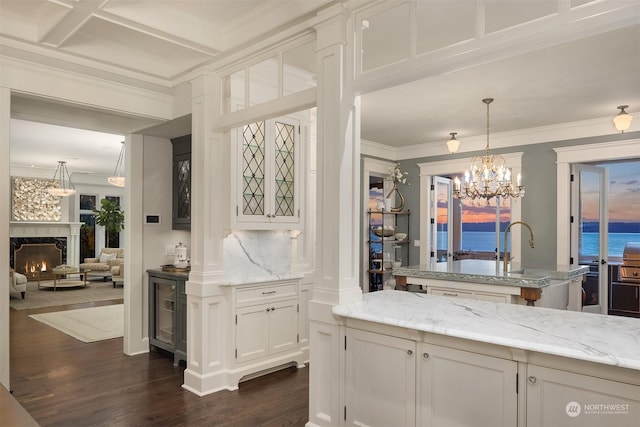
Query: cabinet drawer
(257, 294)
(450, 293)
(492, 297)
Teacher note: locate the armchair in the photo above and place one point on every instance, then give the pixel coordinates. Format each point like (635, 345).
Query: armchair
(17, 283)
(117, 273)
(101, 266)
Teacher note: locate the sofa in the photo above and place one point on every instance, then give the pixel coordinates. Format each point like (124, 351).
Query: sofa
(17, 283)
(102, 265)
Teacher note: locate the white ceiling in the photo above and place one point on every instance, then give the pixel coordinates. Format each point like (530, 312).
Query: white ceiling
(158, 43)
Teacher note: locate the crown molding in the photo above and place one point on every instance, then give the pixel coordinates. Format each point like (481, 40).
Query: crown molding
(540, 135)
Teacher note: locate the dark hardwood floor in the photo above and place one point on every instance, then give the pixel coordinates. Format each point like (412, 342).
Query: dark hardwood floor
(61, 381)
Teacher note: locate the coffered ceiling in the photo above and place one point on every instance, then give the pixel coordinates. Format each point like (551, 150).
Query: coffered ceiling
(158, 43)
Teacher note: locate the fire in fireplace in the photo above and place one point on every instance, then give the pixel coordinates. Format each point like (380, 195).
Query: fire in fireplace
(36, 260)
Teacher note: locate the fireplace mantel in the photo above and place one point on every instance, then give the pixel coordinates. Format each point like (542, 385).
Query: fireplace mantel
(70, 230)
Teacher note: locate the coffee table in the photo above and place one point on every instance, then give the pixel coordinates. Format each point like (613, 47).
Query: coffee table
(61, 278)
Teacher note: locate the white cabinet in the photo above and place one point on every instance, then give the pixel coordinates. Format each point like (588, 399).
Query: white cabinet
(266, 175)
(266, 319)
(465, 389)
(560, 398)
(380, 373)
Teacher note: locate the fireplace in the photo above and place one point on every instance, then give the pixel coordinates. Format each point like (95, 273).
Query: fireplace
(35, 257)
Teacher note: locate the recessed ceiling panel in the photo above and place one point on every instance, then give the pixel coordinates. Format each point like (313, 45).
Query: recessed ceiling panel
(501, 14)
(385, 37)
(109, 42)
(441, 24)
(29, 19)
(201, 22)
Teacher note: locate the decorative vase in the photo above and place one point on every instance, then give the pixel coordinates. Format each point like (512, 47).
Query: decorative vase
(400, 207)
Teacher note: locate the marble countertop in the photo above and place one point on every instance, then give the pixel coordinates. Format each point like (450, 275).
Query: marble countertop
(257, 281)
(490, 272)
(610, 340)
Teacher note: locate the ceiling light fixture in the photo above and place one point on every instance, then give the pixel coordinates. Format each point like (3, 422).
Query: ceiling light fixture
(63, 180)
(118, 179)
(488, 176)
(622, 121)
(453, 144)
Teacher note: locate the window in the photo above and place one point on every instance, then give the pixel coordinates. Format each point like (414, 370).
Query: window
(623, 208)
(88, 228)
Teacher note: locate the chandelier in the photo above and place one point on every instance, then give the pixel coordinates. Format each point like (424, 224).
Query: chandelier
(117, 179)
(63, 180)
(488, 177)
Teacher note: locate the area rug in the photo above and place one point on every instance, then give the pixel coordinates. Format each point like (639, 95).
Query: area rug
(87, 324)
(46, 297)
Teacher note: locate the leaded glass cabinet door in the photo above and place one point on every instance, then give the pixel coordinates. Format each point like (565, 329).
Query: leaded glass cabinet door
(268, 170)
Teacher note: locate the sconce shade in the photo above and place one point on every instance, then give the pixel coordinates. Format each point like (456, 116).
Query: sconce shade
(453, 144)
(63, 180)
(623, 120)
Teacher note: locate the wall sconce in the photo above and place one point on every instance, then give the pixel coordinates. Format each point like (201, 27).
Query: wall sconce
(61, 175)
(453, 144)
(622, 121)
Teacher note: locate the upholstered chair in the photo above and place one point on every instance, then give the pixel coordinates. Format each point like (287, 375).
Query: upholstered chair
(101, 266)
(17, 283)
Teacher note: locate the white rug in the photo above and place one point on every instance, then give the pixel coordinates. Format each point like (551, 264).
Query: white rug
(87, 324)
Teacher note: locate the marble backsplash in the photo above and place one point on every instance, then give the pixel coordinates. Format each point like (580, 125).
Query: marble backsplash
(256, 256)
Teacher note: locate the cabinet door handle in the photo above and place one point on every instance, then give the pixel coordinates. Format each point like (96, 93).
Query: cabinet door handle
(173, 287)
(532, 380)
(268, 292)
(448, 294)
(425, 356)
(410, 352)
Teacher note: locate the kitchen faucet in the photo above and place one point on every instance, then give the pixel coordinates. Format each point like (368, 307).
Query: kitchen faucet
(505, 262)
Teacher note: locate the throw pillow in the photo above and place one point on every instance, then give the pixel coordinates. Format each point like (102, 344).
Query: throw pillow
(106, 257)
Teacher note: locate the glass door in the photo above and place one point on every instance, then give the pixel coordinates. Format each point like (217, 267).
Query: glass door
(589, 234)
(442, 219)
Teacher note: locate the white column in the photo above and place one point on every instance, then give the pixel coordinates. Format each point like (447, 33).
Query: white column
(338, 205)
(208, 324)
(136, 305)
(5, 139)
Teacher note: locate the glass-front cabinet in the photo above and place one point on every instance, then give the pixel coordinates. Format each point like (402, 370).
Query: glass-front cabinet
(266, 171)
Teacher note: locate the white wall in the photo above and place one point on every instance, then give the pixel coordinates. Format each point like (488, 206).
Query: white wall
(157, 201)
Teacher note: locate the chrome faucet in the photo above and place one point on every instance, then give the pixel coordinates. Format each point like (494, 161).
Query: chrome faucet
(505, 262)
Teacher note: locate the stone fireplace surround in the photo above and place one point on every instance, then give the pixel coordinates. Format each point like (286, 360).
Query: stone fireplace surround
(68, 230)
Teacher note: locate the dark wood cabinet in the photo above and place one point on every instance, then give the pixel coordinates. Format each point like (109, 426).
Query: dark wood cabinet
(181, 195)
(624, 297)
(168, 313)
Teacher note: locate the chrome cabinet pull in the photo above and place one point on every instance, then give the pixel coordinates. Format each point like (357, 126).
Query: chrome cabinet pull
(532, 380)
(447, 294)
(410, 352)
(268, 292)
(425, 356)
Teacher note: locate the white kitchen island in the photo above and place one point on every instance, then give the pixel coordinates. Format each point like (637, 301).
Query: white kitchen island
(427, 360)
(485, 280)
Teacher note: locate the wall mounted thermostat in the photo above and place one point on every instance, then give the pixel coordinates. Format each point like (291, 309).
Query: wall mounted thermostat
(152, 219)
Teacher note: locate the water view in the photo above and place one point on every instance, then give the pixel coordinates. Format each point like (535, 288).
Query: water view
(486, 241)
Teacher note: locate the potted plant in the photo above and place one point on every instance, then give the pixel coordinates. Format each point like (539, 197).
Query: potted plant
(111, 217)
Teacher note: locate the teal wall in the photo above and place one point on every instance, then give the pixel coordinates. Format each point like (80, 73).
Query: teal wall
(538, 205)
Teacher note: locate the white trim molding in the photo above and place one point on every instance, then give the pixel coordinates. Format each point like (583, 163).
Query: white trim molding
(616, 150)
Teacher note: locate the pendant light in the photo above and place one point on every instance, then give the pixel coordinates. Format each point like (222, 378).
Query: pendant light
(63, 179)
(623, 120)
(453, 144)
(118, 179)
